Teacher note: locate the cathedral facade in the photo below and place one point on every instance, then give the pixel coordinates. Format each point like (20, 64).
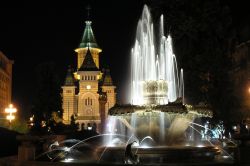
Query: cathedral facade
(88, 92)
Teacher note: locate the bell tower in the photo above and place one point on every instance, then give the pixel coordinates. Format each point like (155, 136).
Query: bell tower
(88, 42)
(88, 93)
(69, 99)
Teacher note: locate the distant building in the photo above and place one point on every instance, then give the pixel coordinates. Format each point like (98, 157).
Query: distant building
(5, 81)
(240, 75)
(87, 92)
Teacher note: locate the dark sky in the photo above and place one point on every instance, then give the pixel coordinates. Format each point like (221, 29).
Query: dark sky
(32, 33)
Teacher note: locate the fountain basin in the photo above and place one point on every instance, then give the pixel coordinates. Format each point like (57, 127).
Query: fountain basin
(161, 154)
(176, 107)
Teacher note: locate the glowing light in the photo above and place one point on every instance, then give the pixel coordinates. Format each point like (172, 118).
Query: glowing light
(77, 76)
(89, 128)
(67, 149)
(135, 144)
(10, 110)
(68, 160)
(43, 123)
(145, 146)
(225, 157)
(200, 146)
(10, 117)
(32, 118)
(88, 87)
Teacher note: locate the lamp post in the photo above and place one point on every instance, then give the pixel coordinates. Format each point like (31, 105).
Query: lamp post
(10, 111)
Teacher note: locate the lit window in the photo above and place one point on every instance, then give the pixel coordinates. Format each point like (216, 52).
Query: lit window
(88, 87)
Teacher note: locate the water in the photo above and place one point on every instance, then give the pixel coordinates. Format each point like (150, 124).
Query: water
(155, 82)
(150, 65)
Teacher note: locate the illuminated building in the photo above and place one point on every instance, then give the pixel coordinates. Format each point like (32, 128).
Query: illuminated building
(88, 92)
(5, 81)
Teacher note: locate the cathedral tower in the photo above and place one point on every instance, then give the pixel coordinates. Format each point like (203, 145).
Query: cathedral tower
(109, 89)
(88, 105)
(69, 99)
(87, 95)
(88, 41)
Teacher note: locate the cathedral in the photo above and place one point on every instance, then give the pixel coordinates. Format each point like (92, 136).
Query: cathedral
(88, 92)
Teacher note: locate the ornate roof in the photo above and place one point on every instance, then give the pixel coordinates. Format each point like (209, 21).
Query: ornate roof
(107, 78)
(88, 63)
(88, 38)
(69, 80)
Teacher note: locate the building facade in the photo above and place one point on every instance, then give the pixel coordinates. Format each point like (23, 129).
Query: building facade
(88, 92)
(5, 81)
(240, 76)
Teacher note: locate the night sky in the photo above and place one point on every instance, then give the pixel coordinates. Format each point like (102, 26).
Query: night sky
(32, 33)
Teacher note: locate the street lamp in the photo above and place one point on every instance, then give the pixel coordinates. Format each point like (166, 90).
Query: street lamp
(10, 111)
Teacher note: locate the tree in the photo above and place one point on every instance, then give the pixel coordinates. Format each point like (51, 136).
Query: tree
(73, 124)
(20, 126)
(48, 100)
(203, 37)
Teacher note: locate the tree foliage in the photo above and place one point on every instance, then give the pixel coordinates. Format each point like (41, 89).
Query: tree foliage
(47, 101)
(20, 126)
(73, 124)
(203, 38)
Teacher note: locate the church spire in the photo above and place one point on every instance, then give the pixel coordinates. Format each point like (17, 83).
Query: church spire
(88, 8)
(69, 80)
(88, 38)
(107, 78)
(88, 63)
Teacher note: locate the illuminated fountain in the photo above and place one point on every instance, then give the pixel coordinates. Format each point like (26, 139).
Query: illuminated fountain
(157, 90)
(157, 110)
(157, 119)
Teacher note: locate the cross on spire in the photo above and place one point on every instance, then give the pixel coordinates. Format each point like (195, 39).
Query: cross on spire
(88, 8)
